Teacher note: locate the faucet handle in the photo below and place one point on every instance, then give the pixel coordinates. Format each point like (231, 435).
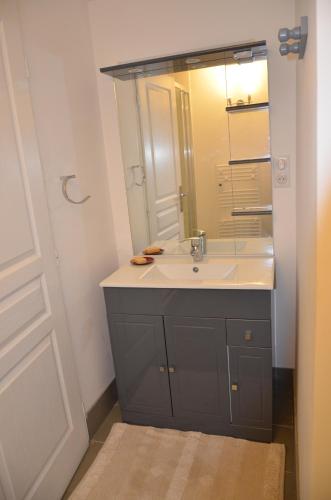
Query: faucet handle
(200, 232)
(195, 240)
(191, 239)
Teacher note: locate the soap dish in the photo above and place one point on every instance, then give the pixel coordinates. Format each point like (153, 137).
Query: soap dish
(138, 261)
(153, 251)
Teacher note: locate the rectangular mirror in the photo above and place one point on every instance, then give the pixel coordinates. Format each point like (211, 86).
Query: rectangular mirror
(196, 155)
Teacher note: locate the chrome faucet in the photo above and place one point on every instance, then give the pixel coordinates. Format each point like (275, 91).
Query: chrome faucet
(196, 248)
(198, 245)
(201, 233)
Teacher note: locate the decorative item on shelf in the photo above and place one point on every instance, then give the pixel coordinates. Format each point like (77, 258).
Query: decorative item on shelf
(239, 102)
(141, 261)
(299, 33)
(65, 179)
(153, 251)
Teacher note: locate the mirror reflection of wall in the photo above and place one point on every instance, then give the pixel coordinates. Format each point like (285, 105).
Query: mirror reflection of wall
(196, 148)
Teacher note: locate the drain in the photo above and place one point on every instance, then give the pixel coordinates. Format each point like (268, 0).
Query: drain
(195, 269)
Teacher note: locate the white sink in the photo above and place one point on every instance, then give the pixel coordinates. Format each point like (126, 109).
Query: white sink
(196, 271)
(251, 273)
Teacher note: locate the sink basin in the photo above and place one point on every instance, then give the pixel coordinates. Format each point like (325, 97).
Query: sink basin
(212, 273)
(195, 271)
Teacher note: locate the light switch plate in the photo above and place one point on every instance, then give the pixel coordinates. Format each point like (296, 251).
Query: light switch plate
(281, 172)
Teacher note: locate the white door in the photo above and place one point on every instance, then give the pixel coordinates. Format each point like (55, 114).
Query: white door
(157, 104)
(43, 431)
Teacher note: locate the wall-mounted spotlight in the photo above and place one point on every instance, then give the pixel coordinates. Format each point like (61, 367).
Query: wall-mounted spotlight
(298, 33)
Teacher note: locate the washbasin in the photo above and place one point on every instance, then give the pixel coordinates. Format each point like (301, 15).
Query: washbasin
(195, 271)
(252, 273)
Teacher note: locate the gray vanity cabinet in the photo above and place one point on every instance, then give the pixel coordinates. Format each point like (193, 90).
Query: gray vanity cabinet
(250, 368)
(140, 360)
(251, 386)
(193, 359)
(198, 372)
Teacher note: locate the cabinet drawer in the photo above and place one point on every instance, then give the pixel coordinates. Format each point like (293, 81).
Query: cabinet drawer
(248, 333)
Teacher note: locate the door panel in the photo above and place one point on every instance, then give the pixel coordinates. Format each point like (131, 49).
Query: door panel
(23, 384)
(186, 160)
(251, 379)
(197, 351)
(43, 432)
(141, 363)
(157, 105)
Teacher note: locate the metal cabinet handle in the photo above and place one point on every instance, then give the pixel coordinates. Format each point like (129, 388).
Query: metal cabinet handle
(162, 368)
(248, 335)
(234, 387)
(171, 369)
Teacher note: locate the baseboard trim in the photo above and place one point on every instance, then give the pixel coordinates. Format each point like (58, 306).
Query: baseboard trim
(284, 374)
(101, 408)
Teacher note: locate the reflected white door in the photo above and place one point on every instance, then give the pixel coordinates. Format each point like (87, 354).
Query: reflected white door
(157, 104)
(43, 431)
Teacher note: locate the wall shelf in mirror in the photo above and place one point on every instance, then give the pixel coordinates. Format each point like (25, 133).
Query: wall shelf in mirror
(247, 107)
(266, 159)
(247, 211)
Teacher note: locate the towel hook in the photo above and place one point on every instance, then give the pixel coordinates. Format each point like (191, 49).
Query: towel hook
(65, 179)
(143, 177)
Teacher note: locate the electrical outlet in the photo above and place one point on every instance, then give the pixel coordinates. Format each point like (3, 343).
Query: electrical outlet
(281, 170)
(281, 179)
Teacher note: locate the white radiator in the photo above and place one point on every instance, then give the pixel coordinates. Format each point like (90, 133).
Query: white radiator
(237, 186)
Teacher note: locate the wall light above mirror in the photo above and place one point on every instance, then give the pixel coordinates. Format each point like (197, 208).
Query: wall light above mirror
(196, 150)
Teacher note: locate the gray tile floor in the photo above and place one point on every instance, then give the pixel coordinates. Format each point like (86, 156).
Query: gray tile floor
(283, 432)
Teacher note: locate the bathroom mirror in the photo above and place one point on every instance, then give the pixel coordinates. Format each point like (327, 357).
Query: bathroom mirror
(196, 153)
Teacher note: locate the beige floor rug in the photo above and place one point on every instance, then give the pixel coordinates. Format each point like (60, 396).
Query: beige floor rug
(145, 463)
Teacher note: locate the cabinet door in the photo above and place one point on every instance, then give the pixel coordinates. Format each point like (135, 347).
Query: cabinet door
(198, 367)
(140, 360)
(251, 386)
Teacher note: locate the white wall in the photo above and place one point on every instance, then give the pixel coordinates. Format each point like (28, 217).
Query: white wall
(314, 250)
(126, 31)
(65, 102)
(219, 136)
(210, 135)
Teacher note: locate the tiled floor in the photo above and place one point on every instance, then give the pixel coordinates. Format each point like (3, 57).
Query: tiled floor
(283, 432)
(95, 446)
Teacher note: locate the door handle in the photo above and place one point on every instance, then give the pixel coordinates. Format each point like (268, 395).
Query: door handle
(171, 369)
(162, 368)
(181, 195)
(234, 387)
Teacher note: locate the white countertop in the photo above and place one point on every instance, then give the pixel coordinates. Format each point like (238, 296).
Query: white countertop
(246, 273)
